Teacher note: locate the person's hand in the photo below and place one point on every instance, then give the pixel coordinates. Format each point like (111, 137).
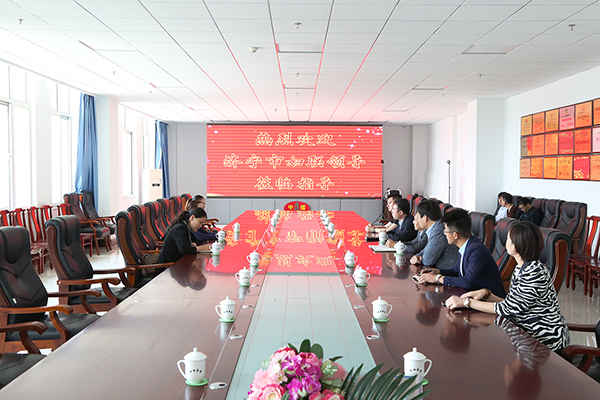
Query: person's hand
(429, 270)
(416, 260)
(455, 302)
(476, 294)
(370, 228)
(390, 243)
(195, 245)
(427, 278)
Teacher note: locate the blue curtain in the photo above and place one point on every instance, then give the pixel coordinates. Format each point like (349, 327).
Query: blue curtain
(86, 172)
(162, 156)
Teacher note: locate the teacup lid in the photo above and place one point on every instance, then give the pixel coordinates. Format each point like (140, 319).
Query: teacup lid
(414, 355)
(244, 271)
(195, 355)
(380, 302)
(227, 301)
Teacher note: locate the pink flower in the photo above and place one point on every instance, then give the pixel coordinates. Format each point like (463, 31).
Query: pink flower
(272, 392)
(340, 373)
(311, 358)
(326, 395)
(261, 379)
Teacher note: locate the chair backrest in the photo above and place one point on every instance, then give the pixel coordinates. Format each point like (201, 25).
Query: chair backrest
(592, 243)
(87, 202)
(165, 214)
(417, 200)
(72, 199)
(130, 250)
(20, 284)
(19, 217)
(4, 218)
(174, 205)
(141, 235)
(444, 207)
(482, 226)
(505, 262)
(411, 200)
(573, 217)
(154, 222)
(66, 253)
(551, 213)
(185, 197)
(540, 204)
(557, 246)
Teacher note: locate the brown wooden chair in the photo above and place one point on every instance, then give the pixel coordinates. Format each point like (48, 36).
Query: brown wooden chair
(38, 246)
(74, 270)
(134, 257)
(579, 263)
(23, 297)
(11, 364)
(88, 225)
(586, 358)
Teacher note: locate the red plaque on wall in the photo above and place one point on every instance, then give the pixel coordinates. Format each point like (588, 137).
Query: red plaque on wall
(565, 168)
(596, 140)
(581, 168)
(552, 120)
(525, 170)
(567, 118)
(538, 123)
(596, 107)
(550, 168)
(551, 147)
(537, 167)
(583, 141)
(538, 146)
(526, 125)
(595, 168)
(583, 114)
(565, 142)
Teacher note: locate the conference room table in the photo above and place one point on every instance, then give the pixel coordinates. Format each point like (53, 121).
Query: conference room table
(132, 351)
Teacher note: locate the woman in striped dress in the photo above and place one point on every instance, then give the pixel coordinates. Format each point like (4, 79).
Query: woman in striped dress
(531, 303)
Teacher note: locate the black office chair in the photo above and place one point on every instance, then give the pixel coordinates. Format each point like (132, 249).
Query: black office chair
(586, 358)
(555, 254)
(23, 297)
(12, 364)
(89, 208)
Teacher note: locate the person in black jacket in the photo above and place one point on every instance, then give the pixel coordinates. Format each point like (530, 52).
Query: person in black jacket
(405, 230)
(204, 235)
(180, 240)
(529, 212)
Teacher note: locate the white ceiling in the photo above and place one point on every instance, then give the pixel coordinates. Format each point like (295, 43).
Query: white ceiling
(409, 61)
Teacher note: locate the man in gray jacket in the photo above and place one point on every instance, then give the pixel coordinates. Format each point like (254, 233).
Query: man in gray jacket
(438, 252)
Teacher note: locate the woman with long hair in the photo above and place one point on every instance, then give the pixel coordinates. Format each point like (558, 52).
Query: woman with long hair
(180, 240)
(531, 302)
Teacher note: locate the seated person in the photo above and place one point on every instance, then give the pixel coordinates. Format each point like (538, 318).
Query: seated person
(531, 302)
(476, 268)
(529, 212)
(405, 230)
(202, 234)
(179, 240)
(391, 225)
(507, 209)
(418, 243)
(437, 252)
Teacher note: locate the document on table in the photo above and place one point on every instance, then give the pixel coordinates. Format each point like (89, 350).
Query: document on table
(382, 249)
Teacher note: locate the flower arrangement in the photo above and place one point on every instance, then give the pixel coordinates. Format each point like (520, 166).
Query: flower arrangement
(292, 374)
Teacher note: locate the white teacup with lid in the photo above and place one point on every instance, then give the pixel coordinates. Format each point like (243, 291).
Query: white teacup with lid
(226, 310)
(381, 309)
(195, 368)
(350, 258)
(236, 227)
(331, 227)
(253, 258)
(414, 364)
(382, 237)
(243, 277)
(221, 235)
(215, 248)
(361, 276)
(400, 247)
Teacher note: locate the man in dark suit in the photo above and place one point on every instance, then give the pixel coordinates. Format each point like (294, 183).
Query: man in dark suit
(405, 230)
(529, 212)
(476, 268)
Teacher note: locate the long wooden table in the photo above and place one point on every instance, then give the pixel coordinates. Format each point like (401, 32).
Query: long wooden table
(131, 351)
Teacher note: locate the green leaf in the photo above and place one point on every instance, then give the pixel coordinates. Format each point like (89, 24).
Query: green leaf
(285, 396)
(365, 382)
(318, 350)
(291, 346)
(305, 346)
(334, 359)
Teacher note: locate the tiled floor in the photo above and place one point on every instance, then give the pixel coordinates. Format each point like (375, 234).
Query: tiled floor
(576, 307)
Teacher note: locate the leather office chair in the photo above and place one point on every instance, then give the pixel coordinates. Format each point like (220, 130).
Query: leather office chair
(589, 362)
(74, 270)
(411, 200)
(505, 262)
(444, 207)
(165, 212)
(540, 204)
(551, 214)
(572, 222)
(555, 255)
(87, 203)
(155, 224)
(175, 205)
(23, 297)
(482, 226)
(11, 364)
(417, 200)
(140, 231)
(185, 198)
(134, 257)
(88, 225)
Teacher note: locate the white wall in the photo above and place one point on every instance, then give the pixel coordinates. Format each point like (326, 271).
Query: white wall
(420, 158)
(575, 89)
(442, 137)
(187, 158)
(398, 157)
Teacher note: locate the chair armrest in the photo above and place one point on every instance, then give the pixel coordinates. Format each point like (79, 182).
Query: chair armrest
(88, 292)
(586, 351)
(114, 271)
(582, 327)
(22, 328)
(383, 221)
(34, 310)
(150, 251)
(111, 280)
(212, 220)
(149, 266)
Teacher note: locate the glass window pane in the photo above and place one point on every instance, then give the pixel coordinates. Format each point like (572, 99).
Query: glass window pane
(55, 158)
(18, 84)
(4, 158)
(4, 80)
(65, 140)
(22, 156)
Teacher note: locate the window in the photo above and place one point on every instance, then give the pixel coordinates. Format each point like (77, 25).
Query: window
(148, 142)
(21, 135)
(129, 119)
(62, 157)
(5, 157)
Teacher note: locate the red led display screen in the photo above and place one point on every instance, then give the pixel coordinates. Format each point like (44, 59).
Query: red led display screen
(294, 161)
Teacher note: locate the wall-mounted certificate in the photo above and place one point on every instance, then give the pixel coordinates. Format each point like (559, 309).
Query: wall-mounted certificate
(597, 112)
(565, 142)
(551, 147)
(525, 170)
(583, 114)
(526, 125)
(538, 145)
(565, 168)
(552, 120)
(583, 141)
(525, 144)
(581, 168)
(537, 167)
(595, 168)
(550, 168)
(566, 118)
(539, 125)
(596, 140)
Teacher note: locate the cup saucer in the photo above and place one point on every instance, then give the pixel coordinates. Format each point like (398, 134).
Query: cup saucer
(361, 284)
(244, 284)
(381, 320)
(216, 254)
(203, 382)
(226, 320)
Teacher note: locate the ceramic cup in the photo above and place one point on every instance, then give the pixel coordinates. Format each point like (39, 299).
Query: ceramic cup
(368, 228)
(350, 258)
(216, 260)
(215, 249)
(194, 365)
(331, 227)
(414, 364)
(253, 258)
(226, 309)
(382, 237)
(236, 227)
(361, 276)
(381, 308)
(400, 247)
(221, 235)
(243, 276)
